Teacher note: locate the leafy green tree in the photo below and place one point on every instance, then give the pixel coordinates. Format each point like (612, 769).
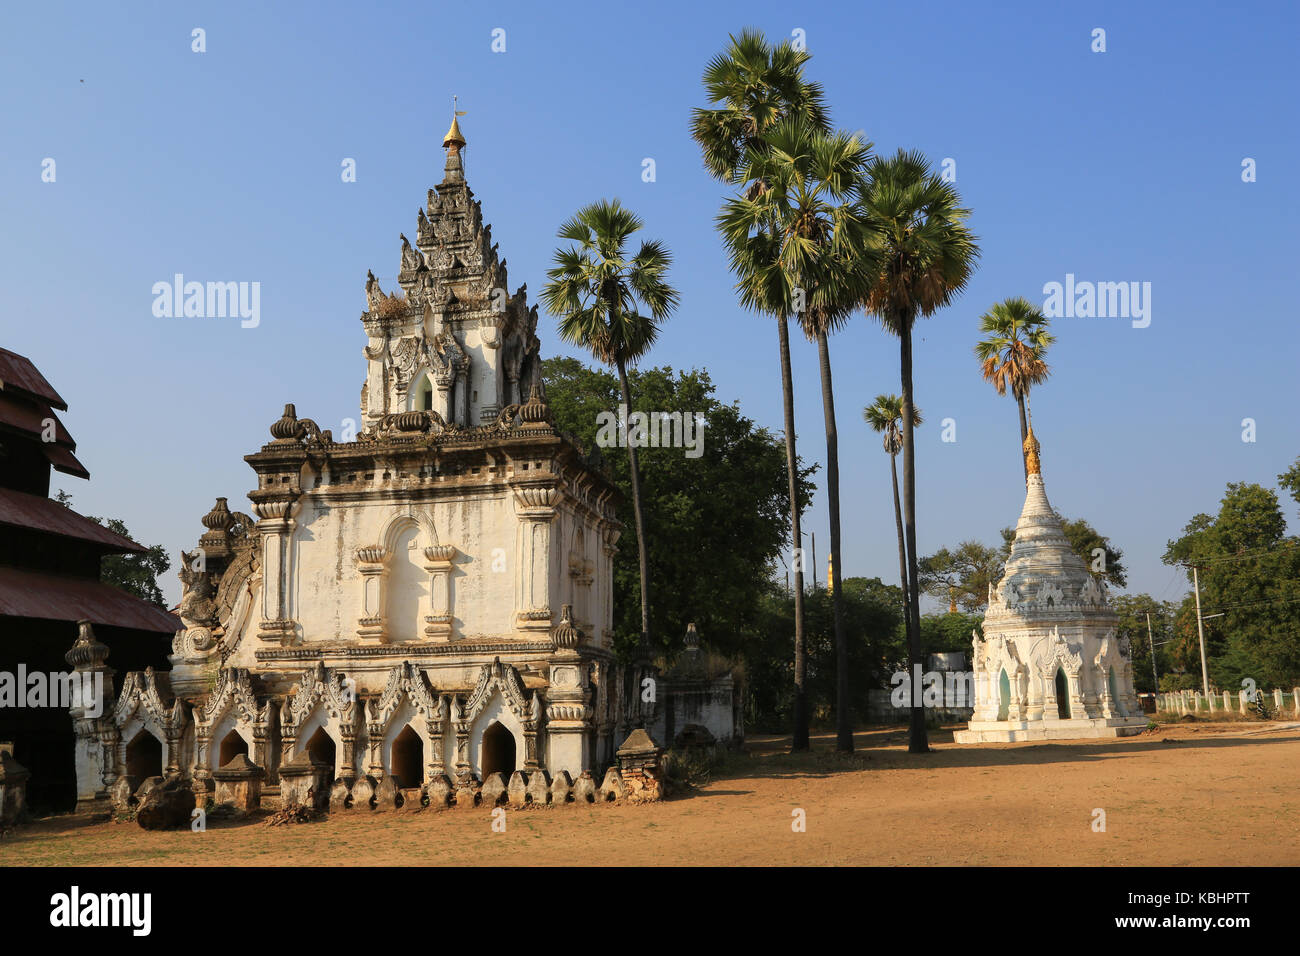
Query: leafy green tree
(751, 87)
(928, 254)
(798, 245)
(1133, 610)
(885, 416)
(1102, 557)
(1290, 480)
(716, 524)
(1013, 353)
(872, 619)
(134, 573)
(612, 305)
(962, 576)
(949, 632)
(1249, 571)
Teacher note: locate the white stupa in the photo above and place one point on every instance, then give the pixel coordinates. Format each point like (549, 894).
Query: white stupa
(1050, 666)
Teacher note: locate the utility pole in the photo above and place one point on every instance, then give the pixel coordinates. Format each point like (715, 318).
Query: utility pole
(1151, 642)
(1200, 630)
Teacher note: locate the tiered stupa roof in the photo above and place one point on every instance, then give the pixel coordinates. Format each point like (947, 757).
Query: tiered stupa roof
(1044, 579)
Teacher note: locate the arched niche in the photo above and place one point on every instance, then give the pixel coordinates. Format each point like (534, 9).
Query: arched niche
(231, 745)
(406, 758)
(496, 714)
(143, 757)
(499, 751)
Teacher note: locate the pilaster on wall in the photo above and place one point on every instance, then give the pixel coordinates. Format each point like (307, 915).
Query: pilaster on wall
(439, 562)
(276, 526)
(535, 504)
(370, 563)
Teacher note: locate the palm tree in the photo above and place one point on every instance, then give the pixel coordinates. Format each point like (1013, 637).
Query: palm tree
(1012, 355)
(814, 264)
(752, 86)
(928, 255)
(602, 299)
(885, 415)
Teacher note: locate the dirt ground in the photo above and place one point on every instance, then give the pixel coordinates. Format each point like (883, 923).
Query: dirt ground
(1200, 794)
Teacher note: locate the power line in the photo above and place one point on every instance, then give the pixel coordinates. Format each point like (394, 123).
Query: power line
(1231, 607)
(1244, 555)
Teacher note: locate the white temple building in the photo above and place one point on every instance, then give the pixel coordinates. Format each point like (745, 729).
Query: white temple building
(1050, 666)
(426, 606)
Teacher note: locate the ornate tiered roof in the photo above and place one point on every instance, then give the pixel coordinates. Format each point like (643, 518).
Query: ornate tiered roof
(454, 320)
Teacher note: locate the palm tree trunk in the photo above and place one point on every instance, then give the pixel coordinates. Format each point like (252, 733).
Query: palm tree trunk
(917, 741)
(1024, 434)
(800, 741)
(902, 549)
(641, 552)
(843, 712)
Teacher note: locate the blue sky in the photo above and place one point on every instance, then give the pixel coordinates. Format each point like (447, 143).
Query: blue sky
(225, 165)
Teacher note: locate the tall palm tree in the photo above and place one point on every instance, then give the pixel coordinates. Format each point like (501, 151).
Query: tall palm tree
(813, 262)
(612, 305)
(1013, 354)
(751, 86)
(928, 255)
(885, 416)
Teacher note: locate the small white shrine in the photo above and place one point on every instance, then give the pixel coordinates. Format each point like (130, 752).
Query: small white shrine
(1050, 666)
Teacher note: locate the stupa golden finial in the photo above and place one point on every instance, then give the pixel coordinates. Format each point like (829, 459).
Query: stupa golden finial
(1032, 465)
(454, 136)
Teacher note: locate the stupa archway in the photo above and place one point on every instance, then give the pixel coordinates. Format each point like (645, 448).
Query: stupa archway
(144, 757)
(406, 758)
(499, 751)
(1062, 685)
(500, 719)
(232, 744)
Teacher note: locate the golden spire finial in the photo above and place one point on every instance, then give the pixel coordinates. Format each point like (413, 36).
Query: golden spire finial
(1032, 464)
(454, 139)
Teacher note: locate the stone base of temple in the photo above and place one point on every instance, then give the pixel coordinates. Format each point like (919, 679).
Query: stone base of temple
(1011, 731)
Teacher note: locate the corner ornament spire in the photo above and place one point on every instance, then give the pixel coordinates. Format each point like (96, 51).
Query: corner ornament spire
(1032, 463)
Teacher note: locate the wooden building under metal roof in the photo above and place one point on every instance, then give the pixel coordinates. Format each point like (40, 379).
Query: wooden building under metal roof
(50, 560)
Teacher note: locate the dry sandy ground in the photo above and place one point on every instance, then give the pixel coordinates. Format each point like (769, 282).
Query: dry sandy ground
(1211, 795)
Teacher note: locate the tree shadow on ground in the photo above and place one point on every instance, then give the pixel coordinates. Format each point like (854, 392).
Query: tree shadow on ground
(886, 749)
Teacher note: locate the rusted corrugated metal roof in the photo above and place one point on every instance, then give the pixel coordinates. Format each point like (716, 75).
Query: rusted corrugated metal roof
(17, 373)
(43, 514)
(37, 594)
(64, 460)
(23, 414)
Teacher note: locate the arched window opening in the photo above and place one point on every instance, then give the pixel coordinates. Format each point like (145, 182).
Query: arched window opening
(498, 751)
